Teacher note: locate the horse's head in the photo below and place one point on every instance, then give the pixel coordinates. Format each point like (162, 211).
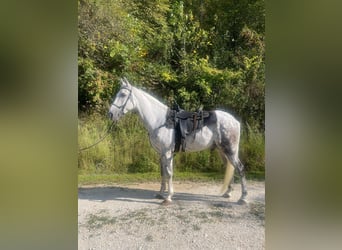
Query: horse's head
(123, 101)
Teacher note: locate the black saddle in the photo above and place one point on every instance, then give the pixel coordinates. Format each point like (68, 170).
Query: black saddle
(191, 121)
(186, 123)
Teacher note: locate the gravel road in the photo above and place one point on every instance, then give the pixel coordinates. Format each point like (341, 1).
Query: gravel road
(129, 217)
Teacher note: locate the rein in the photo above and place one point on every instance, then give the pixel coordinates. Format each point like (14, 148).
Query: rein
(107, 133)
(121, 107)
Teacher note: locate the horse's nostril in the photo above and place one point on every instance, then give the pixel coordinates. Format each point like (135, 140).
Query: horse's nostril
(110, 115)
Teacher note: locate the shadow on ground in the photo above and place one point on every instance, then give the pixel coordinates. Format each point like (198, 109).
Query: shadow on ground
(103, 194)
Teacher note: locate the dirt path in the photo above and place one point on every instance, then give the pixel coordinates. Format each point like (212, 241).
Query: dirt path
(129, 217)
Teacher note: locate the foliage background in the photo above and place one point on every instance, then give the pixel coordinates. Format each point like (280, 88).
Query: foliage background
(198, 53)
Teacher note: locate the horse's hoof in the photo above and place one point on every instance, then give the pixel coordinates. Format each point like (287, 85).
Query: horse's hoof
(242, 202)
(166, 202)
(159, 196)
(226, 195)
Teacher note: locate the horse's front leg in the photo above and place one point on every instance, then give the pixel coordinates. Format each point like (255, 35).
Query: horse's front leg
(167, 172)
(160, 195)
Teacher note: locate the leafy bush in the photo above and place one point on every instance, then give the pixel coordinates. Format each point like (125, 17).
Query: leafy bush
(95, 87)
(204, 161)
(142, 164)
(252, 150)
(185, 51)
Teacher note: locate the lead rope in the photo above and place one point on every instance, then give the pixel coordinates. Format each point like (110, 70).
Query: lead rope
(107, 133)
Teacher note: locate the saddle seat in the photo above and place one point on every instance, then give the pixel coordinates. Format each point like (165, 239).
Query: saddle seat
(190, 121)
(199, 115)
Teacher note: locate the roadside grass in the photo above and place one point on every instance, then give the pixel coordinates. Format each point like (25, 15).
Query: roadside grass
(107, 179)
(98, 221)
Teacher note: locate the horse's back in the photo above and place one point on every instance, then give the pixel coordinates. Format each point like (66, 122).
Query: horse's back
(224, 117)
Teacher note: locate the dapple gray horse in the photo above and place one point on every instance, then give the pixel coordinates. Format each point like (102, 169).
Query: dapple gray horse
(224, 134)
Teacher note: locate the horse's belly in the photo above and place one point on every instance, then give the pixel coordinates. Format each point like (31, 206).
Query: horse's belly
(201, 140)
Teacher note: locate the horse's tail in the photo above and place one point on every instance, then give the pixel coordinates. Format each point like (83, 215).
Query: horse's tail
(227, 177)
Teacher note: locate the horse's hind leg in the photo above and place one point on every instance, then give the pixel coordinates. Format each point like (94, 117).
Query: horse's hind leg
(228, 193)
(228, 178)
(241, 171)
(235, 161)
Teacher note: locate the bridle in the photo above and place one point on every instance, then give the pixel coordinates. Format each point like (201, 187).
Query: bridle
(123, 106)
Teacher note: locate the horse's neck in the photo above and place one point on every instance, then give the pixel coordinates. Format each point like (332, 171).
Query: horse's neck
(152, 112)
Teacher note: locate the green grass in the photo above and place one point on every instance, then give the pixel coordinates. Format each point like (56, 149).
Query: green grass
(256, 175)
(252, 150)
(92, 179)
(98, 221)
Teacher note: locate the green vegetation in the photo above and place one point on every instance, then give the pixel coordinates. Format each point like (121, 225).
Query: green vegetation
(92, 179)
(198, 53)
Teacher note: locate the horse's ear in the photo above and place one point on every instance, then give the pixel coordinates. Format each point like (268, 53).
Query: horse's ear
(123, 82)
(126, 81)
